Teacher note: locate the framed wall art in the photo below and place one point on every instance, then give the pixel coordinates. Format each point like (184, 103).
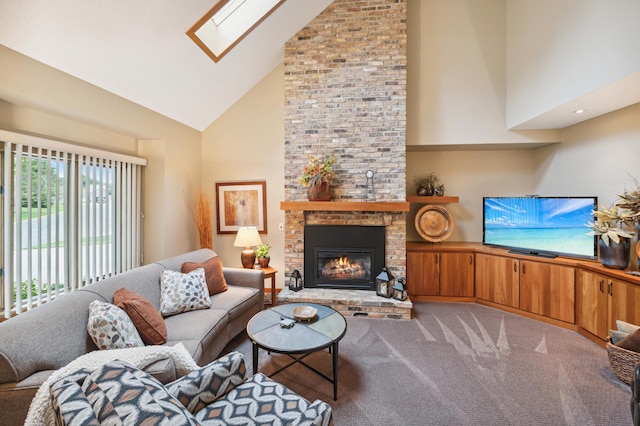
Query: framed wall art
(241, 204)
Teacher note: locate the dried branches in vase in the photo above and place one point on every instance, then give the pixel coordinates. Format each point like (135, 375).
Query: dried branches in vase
(203, 219)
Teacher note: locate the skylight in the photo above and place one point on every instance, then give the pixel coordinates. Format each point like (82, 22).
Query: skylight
(228, 22)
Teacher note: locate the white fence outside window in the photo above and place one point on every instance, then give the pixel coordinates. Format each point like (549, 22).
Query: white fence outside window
(70, 216)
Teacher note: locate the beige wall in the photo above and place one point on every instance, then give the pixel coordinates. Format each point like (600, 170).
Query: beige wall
(456, 72)
(246, 144)
(35, 98)
(597, 157)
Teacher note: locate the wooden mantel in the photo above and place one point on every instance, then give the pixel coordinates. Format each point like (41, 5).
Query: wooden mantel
(345, 206)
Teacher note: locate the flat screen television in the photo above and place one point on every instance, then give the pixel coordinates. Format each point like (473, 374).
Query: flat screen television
(542, 226)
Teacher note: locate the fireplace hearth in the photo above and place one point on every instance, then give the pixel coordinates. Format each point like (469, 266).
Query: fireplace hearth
(343, 256)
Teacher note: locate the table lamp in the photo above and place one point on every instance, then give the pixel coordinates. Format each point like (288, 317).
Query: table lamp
(248, 238)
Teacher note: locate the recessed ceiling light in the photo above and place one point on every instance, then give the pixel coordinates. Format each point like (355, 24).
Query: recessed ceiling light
(579, 111)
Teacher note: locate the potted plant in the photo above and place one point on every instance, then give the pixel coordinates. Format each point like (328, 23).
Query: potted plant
(427, 185)
(317, 174)
(262, 254)
(630, 200)
(610, 225)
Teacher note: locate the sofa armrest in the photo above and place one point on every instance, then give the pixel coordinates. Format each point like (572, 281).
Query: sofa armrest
(200, 388)
(253, 278)
(317, 414)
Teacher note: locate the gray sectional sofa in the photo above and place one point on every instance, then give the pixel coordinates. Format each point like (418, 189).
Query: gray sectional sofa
(36, 343)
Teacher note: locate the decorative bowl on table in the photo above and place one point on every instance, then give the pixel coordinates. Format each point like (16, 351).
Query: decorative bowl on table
(304, 313)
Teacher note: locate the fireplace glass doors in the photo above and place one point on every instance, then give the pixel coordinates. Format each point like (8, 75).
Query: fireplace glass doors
(343, 256)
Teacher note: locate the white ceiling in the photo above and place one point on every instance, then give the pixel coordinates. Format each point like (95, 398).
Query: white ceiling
(138, 49)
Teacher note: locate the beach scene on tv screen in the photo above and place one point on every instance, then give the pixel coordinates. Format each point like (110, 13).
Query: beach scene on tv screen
(540, 224)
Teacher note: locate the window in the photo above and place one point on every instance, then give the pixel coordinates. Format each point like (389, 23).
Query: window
(71, 216)
(228, 22)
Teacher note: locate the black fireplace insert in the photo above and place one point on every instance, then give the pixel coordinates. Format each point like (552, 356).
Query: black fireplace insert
(343, 256)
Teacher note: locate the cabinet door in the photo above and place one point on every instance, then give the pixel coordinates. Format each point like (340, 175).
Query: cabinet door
(547, 290)
(624, 303)
(422, 274)
(592, 303)
(456, 274)
(484, 287)
(497, 279)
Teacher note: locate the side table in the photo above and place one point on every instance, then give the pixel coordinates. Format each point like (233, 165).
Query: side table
(269, 272)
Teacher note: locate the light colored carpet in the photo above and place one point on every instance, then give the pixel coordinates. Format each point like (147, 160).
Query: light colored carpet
(458, 364)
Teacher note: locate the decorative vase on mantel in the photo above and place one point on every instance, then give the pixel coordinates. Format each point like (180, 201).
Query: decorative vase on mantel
(319, 191)
(615, 255)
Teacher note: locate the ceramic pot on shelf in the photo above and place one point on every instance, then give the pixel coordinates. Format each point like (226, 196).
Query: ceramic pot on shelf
(615, 255)
(264, 262)
(319, 191)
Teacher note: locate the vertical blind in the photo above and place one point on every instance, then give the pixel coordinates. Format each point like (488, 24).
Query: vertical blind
(71, 216)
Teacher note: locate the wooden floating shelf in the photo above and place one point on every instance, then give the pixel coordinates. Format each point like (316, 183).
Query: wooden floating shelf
(433, 199)
(345, 206)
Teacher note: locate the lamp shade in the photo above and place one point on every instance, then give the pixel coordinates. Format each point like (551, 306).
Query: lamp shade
(247, 236)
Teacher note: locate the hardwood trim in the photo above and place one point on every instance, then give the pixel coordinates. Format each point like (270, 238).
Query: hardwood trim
(344, 206)
(442, 299)
(591, 337)
(611, 273)
(517, 311)
(434, 199)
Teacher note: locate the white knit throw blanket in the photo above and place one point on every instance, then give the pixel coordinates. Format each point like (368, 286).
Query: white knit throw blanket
(41, 411)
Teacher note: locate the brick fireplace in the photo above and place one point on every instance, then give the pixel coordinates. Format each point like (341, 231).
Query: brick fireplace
(345, 91)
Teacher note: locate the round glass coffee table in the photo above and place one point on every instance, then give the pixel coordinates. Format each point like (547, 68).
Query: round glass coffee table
(278, 330)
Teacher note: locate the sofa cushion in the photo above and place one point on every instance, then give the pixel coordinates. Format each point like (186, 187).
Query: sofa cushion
(235, 300)
(183, 292)
(119, 393)
(163, 370)
(145, 316)
(198, 330)
(212, 272)
(111, 328)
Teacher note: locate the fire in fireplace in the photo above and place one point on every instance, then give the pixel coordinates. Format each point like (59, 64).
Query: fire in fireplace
(345, 256)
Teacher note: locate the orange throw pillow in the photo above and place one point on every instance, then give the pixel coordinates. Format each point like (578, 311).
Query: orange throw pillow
(144, 315)
(212, 273)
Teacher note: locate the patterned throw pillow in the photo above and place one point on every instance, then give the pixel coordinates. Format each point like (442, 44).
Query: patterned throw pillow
(111, 328)
(121, 394)
(69, 402)
(145, 316)
(183, 292)
(200, 388)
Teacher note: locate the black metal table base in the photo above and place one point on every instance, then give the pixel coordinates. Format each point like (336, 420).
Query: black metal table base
(333, 350)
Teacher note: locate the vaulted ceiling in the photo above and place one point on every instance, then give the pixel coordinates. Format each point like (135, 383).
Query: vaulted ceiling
(139, 50)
